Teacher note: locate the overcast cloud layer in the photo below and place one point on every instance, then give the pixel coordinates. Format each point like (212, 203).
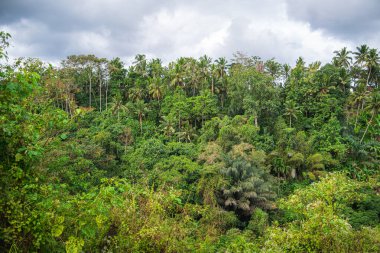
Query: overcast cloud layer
(284, 29)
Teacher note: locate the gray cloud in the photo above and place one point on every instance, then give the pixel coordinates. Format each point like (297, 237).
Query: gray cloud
(168, 29)
(350, 19)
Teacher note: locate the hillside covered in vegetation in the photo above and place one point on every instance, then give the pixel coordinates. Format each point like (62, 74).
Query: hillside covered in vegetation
(198, 155)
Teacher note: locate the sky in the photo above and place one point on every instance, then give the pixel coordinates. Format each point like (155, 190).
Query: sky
(169, 29)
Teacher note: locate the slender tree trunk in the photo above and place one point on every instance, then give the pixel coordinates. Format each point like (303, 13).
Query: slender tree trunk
(357, 115)
(256, 124)
(212, 85)
(106, 95)
(369, 74)
(70, 106)
(290, 121)
(94, 95)
(89, 76)
(140, 121)
(100, 95)
(366, 129)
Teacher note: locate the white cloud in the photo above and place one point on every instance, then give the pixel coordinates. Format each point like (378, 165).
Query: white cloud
(182, 32)
(87, 41)
(171, 29)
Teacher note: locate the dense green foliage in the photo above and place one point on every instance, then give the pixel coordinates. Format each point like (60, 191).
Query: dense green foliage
(195, 156)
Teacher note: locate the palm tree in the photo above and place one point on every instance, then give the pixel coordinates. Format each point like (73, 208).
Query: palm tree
(372, 62)
(213, 74)
(193, 74)
(136, 93)
(141, 65)
(314, 66)
(342, 58)
(362, 57)
(374, 107)
(140, 109)
(187, 133)
(361, 54)
(344, 79)
(167, 124)
(117, 107)
(291, 110)
(221, 72)
(155, 88)
(176, 75)
(155, 68)
(221, 66)
(204, 68)
(358, 99)
(249, 186)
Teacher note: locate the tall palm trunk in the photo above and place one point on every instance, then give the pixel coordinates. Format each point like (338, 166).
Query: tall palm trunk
(357, 115)
(106, 95)
(366, 129)
(100, 95)
(369, 74)
(89, 76)
(212, 85)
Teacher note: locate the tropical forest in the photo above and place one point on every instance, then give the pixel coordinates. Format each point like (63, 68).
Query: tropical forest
(194, 155)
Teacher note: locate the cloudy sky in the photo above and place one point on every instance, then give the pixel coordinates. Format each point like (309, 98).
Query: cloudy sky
(168, 29)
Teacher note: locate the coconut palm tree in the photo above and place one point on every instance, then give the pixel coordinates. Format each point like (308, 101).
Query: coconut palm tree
(117, 106)
(176, 74)
(361, 54)
(358, 98)
(344, 79)
(204, 68)
(155, 68)
(342, 58)
(141, 65)
(374, 106)
(140, 109)
(221, 66)
(291, 110)
(193, 75)
(136, 93)
(372, 62)
(167, 125)
(155, 88)
(213, 77)
(187, 133)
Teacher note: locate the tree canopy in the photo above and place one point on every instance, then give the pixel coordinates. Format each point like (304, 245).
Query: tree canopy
(199, 155)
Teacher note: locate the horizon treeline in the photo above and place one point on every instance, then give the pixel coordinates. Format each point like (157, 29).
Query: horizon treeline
(199, 155)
